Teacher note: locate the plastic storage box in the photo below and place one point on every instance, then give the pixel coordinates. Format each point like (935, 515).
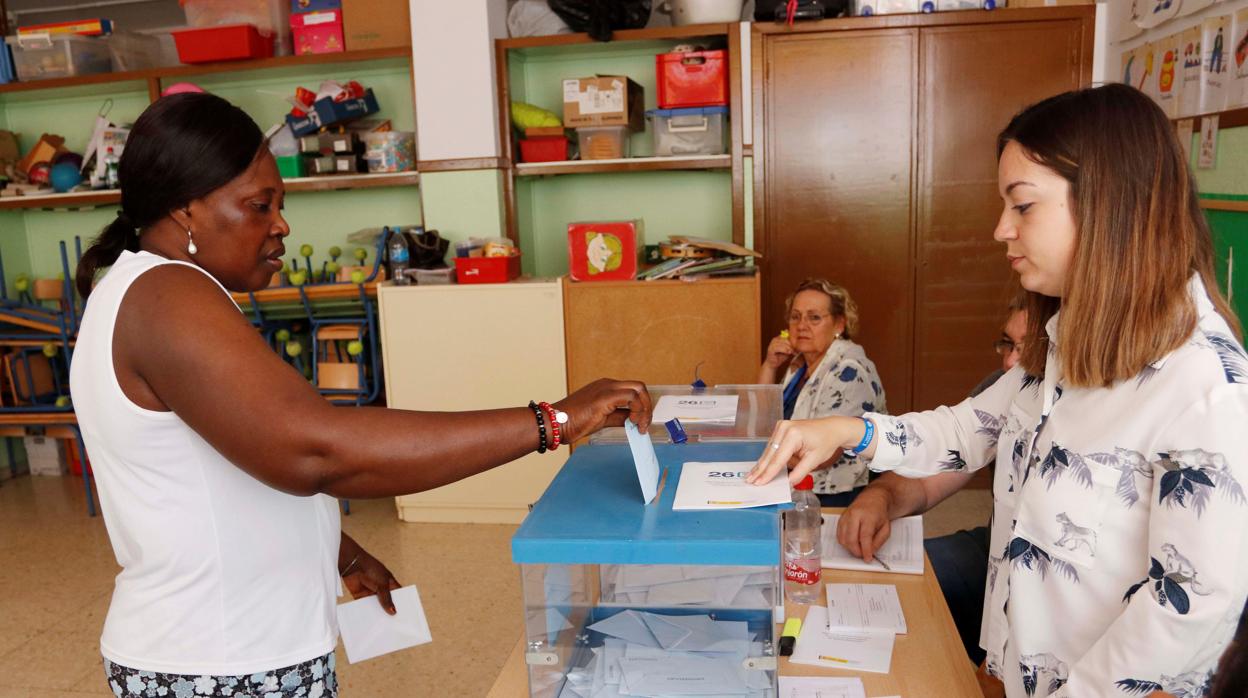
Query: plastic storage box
(43, 57)
(133, 51)
(234, 43)
(696, 79)
(693, 131)
(603, 142)
(602, 574)
(486, 270)
(270, 17)
(390, 151)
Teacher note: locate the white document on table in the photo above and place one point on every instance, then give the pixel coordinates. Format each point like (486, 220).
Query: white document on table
(368, 631)
(858, 650)
(644, 459)
(673, 675)
(697, 409)
(706, 486)
(821, 687)
(902, 552)
(864, 607)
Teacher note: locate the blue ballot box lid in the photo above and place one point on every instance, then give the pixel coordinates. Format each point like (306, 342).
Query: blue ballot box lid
(592, 513)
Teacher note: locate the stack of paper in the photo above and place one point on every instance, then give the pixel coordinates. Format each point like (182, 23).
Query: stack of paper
(698, 409)
(903, 552)
(821, 687)
(865, 607)
(685, 585)
(861, 650)
(709, 486)
(647, 654)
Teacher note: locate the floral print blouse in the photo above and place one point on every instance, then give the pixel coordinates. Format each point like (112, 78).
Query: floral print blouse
(844, 383)
(1118, 560)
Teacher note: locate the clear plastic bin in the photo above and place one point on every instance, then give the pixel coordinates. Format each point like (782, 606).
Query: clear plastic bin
(607, 579)
(759, 409)
(691, 131)
(603, 142)
(270, 17)
(390, 151)
(134, 51)
(42, 57)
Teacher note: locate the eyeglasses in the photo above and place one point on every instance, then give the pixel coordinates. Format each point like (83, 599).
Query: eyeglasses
(811, 318)
(1006, 347)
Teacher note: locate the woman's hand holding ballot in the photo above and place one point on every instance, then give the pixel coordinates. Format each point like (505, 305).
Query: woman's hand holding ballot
(803, 446)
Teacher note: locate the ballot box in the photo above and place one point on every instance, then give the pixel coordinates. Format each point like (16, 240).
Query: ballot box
(757, 409)
(625, 598)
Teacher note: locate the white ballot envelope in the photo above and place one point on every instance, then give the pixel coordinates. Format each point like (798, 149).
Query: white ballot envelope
(644, 459)
(723, 486)
(706, 409)
(368, 631)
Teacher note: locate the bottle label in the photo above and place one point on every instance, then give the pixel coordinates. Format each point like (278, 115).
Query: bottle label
(795, 572)
(399, 254)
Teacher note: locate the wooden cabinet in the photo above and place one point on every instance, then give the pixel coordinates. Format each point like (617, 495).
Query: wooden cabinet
(875, 166)
(660, 331)
(474, 347)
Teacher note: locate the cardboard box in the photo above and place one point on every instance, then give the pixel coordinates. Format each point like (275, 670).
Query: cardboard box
(376, 24)
(45, 456)
(331, 143)
(608, 251)
(603, 100)
(327, 112)
(317, 32)
(336, 164)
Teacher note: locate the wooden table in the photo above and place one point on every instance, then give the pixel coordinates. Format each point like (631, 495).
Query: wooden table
(928, 661)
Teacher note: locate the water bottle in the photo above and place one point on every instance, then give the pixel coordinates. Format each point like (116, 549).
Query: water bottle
(398, 259)
(803, 561)
(111, 163)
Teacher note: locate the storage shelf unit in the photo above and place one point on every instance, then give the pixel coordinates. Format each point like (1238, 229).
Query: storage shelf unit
(699, 195)
(1228, 118)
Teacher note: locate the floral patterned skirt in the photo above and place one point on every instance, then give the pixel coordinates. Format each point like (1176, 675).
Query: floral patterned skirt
(311, 679)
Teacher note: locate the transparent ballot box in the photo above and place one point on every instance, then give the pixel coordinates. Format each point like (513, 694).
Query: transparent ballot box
(759, 408)
(625, 598)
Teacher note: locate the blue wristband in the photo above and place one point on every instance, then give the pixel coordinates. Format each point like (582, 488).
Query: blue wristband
(866, 439)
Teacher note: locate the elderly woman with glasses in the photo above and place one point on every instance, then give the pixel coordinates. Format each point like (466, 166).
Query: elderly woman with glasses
(826, 373)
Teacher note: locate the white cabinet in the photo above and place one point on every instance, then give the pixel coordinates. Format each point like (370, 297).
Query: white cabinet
(472, 347)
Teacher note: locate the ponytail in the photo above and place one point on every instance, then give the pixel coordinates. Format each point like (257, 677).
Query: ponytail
(118, 236)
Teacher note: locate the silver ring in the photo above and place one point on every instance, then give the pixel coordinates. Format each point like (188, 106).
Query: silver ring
(775, 447)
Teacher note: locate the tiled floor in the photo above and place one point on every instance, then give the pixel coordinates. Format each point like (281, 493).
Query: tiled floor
(57, 567)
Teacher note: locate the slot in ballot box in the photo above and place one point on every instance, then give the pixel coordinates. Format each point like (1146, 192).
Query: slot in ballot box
(759, 408)
(623, 596)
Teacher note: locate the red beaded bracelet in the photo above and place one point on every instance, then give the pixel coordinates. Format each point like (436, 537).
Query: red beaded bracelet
(553, 419)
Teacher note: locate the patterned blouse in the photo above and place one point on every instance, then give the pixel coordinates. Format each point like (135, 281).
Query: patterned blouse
(844, 383)
(1118, 563)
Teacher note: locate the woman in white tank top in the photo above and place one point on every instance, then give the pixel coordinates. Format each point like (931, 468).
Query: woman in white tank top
(217, 463)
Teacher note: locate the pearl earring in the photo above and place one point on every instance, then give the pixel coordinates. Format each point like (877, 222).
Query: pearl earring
(190, 243)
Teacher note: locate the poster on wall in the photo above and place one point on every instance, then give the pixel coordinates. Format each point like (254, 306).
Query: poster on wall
(1191, 7)
(1215, 69)
(1189, 93)
(1169, 64)
(1208, 154)
(1157, 12)
(1237, 93)
(1185, 128)
(1150, 64)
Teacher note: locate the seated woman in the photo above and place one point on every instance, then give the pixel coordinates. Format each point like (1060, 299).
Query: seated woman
(828, 374)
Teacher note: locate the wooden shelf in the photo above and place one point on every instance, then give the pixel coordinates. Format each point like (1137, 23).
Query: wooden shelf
(315, 292)
(1224, 205)
(652, 164)
(693, 31)
(92, 199)
(1229, 118)
(186, 71)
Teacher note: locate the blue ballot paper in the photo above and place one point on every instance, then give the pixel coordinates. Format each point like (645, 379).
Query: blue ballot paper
(644, 459)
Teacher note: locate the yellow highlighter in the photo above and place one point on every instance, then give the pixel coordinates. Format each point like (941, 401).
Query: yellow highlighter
(792, 628)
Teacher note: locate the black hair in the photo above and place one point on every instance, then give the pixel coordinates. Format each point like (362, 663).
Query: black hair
(183, 147)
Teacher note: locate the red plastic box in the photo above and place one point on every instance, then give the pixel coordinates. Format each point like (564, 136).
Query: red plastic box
(318, 32)
(236, 42)
(608, 251)
(486, 270)
(544, 149)
(697, 79)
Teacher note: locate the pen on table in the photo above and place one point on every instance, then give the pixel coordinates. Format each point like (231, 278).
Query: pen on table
(826, 658)
(883, 564)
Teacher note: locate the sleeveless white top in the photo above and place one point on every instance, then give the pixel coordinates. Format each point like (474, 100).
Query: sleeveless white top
(221, 574)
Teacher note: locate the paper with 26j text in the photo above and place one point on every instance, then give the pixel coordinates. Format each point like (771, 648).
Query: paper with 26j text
(722, 486)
